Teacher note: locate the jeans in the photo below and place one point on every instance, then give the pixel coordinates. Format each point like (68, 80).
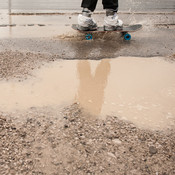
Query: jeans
(107, 4)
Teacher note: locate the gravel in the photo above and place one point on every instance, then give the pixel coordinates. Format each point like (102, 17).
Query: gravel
(74, 143)
(42, 143)
(18, 65)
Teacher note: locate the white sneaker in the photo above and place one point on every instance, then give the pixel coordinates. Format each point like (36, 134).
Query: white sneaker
(86, 22)
(112, 22)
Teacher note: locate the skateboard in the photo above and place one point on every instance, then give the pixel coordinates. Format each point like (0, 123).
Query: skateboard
(125, 30)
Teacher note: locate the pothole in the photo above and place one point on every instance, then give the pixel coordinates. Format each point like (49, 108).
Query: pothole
(140, 90)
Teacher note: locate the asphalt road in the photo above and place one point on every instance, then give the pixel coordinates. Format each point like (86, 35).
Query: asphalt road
(125, 5)
(155, 39)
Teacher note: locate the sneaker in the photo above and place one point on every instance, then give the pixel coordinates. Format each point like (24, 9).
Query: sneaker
(111, 21)
(86, 22)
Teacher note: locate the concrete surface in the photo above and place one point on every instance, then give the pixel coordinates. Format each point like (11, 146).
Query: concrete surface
(53, 34)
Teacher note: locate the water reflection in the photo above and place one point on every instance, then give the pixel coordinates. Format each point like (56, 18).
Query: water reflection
(91, 87)
(140, 90)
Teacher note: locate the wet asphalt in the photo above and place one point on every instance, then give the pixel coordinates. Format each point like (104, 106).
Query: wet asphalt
(53, 34)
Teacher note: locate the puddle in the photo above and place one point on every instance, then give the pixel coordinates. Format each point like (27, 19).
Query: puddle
(141, 90)
(52, 85)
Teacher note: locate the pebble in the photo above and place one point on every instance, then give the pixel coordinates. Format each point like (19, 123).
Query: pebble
(117, 141)
(111, 155)
(152, 150)
(84, 148)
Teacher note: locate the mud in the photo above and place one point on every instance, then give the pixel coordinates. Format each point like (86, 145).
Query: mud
(140, 90)
(48, 140)
(70, 143)
(18, 65)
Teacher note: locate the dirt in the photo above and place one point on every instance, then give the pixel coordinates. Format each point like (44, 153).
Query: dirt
(18, 65)
(74, 143)
(99, 87)
(38, 142)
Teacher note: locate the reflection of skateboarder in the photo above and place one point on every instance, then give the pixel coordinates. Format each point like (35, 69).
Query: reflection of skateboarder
(92, 87)
(111, 21)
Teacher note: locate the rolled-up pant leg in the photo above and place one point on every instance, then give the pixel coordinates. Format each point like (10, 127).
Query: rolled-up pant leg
(90, 4)
(110, 4)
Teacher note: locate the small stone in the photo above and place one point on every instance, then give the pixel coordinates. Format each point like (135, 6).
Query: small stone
(101, 168)
(66, 126)
(152, 150)
(117, 141)
(111, 155)
(122, 131)
(142, 138)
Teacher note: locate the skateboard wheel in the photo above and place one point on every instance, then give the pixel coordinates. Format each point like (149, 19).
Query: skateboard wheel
(88, 37)
(127, 36)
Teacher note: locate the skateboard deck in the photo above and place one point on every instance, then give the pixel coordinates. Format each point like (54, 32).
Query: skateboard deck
(124, 30)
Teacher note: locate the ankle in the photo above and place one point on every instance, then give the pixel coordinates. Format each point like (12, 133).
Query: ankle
(86, 12)
(111, 12)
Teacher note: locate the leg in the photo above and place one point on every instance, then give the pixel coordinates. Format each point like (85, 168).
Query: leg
(111, 21)
(110, 4)
(85, 21)
(90, 4)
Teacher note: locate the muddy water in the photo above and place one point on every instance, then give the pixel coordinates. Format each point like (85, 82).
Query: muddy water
(51, 85)
(141, 90)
